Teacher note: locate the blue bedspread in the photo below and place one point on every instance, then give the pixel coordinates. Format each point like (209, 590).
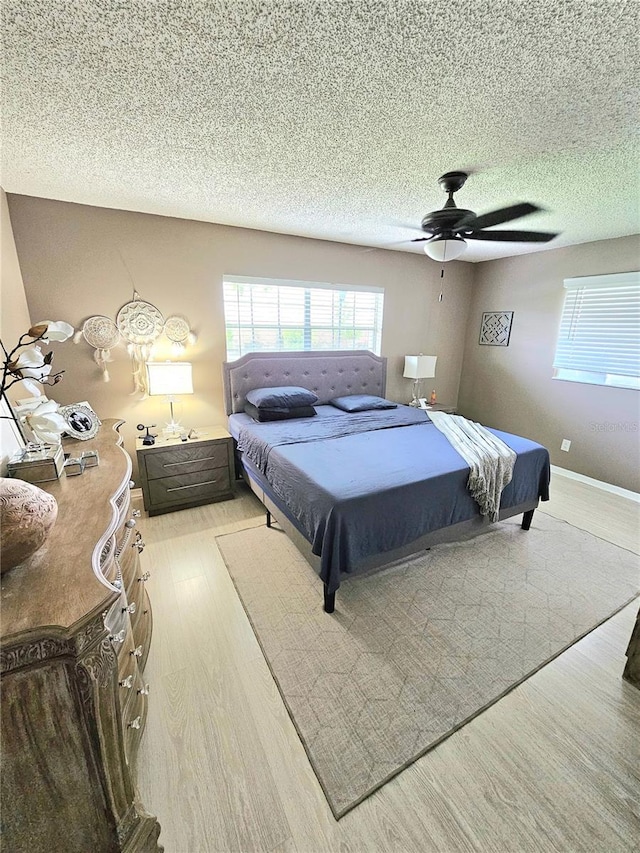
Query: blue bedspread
(365, 483)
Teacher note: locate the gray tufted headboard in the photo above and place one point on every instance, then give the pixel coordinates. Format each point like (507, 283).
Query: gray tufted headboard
(328, 374)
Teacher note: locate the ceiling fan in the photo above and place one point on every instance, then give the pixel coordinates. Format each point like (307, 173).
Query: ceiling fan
(448, 229)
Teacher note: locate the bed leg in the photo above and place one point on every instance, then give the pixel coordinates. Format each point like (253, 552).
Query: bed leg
(329, 600)
(268, 519)
(527, 519)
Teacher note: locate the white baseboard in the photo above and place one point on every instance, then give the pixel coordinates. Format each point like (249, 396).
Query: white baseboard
(598, 484)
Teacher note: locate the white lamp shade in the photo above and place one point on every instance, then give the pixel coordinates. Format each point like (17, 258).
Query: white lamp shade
(445, 249)
(167, 378)
(420, 366)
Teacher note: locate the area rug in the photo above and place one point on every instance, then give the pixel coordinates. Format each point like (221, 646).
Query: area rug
(417, 649)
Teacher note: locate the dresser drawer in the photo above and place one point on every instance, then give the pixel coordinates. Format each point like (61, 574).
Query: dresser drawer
(189, 487)
(187, 459)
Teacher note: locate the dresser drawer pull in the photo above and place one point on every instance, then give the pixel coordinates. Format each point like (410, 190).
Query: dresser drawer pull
(135, 724)
(189, 461)
(127, 682)
(130, 608)
(119, 637)
(144, 691)
(118, 583)
(130, 523)
(137, 652)
(132, 485)
(144, 577)
(194, 486)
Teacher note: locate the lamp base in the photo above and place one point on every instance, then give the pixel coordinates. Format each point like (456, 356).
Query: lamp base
(173, 429)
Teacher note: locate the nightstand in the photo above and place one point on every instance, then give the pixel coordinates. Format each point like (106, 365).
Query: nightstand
(439, 407)
(179, 474)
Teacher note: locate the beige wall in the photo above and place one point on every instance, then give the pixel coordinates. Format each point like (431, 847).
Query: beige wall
(14, 320)
(511, 387)
(78, 261)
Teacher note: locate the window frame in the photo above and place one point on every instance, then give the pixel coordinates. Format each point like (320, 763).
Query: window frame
(307, 327)
(588, 316)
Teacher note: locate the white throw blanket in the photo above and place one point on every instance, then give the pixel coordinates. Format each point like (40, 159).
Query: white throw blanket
(491, 461)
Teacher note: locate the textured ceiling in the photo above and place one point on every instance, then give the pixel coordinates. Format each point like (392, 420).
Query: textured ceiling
(328, 118)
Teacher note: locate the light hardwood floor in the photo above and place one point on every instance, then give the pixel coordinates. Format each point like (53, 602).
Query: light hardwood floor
(554, 766)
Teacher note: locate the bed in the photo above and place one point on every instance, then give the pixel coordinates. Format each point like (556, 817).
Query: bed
(358, 490)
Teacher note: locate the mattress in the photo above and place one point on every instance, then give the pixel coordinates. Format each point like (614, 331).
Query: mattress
(359, 484)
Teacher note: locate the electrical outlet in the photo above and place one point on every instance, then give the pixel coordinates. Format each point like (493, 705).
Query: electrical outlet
(566, 444)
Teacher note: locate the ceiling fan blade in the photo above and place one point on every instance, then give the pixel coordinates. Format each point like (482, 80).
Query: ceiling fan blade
(511, 236)
(497, 217)
(419, 239)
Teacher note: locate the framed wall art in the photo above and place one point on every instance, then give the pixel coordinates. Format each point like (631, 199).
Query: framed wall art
(495, 329)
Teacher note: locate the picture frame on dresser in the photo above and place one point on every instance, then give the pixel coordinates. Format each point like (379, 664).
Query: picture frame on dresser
(82, 422)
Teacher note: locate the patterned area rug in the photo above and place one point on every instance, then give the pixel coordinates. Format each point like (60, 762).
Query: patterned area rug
(416, 650)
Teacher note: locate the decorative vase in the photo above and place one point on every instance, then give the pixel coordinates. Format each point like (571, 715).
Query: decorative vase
(27, 514)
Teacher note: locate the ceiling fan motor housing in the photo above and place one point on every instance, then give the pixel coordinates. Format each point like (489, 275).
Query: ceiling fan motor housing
(443, 220)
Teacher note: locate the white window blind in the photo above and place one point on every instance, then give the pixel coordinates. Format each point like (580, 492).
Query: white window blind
(272, 315)
(599, 338)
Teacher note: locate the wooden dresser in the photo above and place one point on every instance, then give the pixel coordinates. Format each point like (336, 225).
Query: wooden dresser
(76, 629)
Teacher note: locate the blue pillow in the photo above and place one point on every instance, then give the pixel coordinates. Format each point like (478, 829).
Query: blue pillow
(361, 403)
(284, 397)
(266, 415)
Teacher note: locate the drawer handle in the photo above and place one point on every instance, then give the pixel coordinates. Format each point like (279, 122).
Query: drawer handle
(117, 583)
(135, 724)
(189, 461)
(132, 485)
(144, 577)
(139, 543)
(130, 523)
(130, 608)
(144, 691)
(194, 486)
(137, 652)
(119, 637)
(127, 682)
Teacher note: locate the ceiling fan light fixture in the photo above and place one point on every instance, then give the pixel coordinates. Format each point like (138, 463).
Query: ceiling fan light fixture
(445, 248)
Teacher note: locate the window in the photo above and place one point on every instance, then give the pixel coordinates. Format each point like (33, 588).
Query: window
(271, 315)
(599, 339)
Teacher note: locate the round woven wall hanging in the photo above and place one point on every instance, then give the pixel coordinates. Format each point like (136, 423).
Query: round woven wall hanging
(140, 324)
(102, 334)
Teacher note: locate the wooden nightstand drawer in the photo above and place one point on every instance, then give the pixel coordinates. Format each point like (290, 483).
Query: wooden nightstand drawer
(189, 487)
(187, 458)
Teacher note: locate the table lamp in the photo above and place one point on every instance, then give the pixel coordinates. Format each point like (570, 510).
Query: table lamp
(419, 367)
(170, 379)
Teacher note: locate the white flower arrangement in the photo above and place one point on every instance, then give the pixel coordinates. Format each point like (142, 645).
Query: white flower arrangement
(28, 364)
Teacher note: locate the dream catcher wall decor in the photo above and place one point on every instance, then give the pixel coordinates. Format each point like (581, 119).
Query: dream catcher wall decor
(179, 333)
(139, 324)
(102, 334)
